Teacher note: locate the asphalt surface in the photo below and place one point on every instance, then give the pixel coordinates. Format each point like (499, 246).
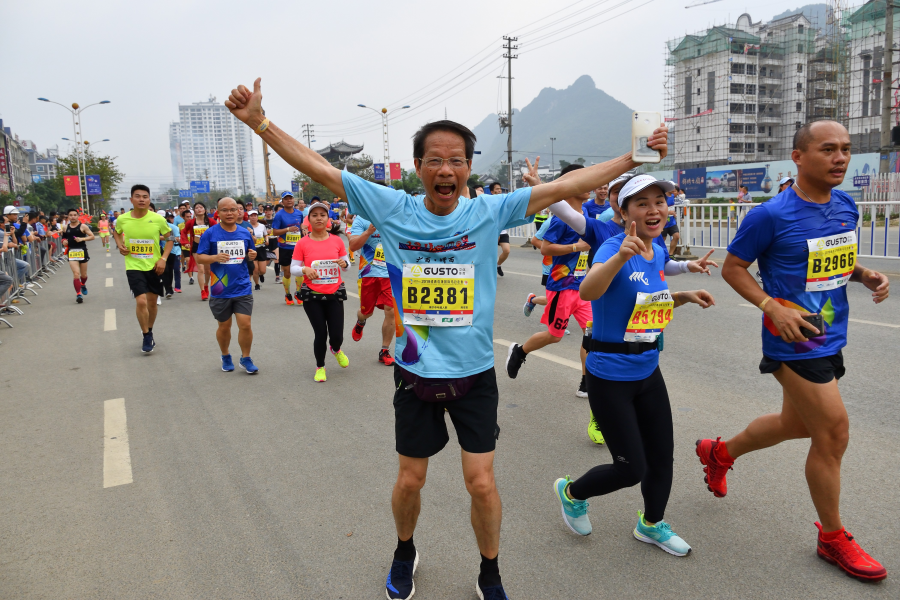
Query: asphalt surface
(273, 486)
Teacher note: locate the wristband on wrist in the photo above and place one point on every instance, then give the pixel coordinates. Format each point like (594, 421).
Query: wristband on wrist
(262, 126)
(762, 305)
(574, 249)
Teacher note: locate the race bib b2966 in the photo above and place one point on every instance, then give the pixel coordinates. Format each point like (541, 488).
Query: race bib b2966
(831, 261)
(439, 296)
(652, 312)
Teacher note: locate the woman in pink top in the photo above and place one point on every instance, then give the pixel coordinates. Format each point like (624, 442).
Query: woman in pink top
(320, 257)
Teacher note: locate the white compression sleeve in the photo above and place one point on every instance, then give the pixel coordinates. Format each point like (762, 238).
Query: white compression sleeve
(675, 267)
(297, 268)
(569, 216)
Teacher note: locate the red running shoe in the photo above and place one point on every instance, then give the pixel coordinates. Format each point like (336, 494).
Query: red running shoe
(714, 466)
(288, 300)
(204, 295)
(357, 332)
(843, 551)
(385, 357)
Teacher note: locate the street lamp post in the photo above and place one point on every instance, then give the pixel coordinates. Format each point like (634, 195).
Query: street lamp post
(384, 124)
(76, 111)
(553, 139)
(87, 150)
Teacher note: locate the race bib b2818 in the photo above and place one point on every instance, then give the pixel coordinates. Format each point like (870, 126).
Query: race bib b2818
(438, 295)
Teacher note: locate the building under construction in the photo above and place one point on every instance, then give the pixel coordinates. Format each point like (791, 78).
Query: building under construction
(737, 93)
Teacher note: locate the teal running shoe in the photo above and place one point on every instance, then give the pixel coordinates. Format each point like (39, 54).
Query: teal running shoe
(660, 535)
(574, 512)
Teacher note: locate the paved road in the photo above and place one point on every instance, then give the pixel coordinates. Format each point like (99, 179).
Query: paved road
(275, 487)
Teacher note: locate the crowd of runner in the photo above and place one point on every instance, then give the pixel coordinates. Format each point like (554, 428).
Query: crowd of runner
(430, 263)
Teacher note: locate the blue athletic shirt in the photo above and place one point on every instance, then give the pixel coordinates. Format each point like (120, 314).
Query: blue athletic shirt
(468, 236)
(613, 310)
(670, 201)
(562, 272)
(227, 280)
(283, 220)
(775, 234)
(176, 247)
(592, 210)
(367, 266)
(547, 262)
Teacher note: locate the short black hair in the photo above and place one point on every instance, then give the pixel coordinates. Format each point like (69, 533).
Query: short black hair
(152, 207)
(804, 135)
(493, 183)
(139, 186)
(453, 127)
(75, 210)
(32, 215)
(569, 168)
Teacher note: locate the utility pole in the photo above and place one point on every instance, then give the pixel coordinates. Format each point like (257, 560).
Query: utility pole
(886, 81)
(243, 183)
(509, 56)
(552, 163)
(308, 133)
(206, 177)
(269, 194)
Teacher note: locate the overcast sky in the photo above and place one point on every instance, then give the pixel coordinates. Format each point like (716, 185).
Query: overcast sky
(318, 60)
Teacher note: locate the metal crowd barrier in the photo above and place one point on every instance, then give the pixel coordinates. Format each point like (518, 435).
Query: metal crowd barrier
(714, 226)
(44, 257)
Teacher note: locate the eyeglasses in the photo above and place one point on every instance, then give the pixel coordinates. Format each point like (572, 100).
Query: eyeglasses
(434, 163)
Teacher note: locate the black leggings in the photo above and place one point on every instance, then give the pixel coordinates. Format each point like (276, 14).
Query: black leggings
(636, 421)
(327, 320)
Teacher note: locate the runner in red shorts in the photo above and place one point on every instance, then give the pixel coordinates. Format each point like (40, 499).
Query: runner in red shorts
(374, 285)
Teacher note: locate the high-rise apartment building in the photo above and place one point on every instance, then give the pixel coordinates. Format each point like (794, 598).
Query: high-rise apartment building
(208, 143)
(738, 93)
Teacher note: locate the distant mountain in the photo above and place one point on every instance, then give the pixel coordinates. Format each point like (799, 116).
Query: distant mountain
(586, 122)
(816, 13)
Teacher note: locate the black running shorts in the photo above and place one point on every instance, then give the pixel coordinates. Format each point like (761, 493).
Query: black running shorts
(223, 308)
(421, 429)
(144, 282)
(670, 231)
(285, 256)
(816, 370)
(503, 239)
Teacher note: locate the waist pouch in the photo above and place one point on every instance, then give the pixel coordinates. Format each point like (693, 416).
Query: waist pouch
(307, 295)
(592, 345)
(438, 390)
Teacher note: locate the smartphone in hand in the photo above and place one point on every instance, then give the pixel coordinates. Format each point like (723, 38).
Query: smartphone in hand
(643, 124)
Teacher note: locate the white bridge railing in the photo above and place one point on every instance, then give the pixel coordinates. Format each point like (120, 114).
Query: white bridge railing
(714, 226)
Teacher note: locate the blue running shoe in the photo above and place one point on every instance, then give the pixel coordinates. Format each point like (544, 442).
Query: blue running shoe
(494, 592)
(227, 364)
(399, 585)
(84, 290)
(660, 535)
(149, 343)
(529, 305)
(574, 512)
(247, 365)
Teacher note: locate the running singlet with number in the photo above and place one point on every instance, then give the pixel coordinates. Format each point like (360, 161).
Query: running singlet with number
(637, 306)
(75, 250)
(443, 272)
(569, 269)
(321, 256)
(141, 238)
(371, 262)
(230, 279)
(806, 254)
(283, 220)
(259, 238)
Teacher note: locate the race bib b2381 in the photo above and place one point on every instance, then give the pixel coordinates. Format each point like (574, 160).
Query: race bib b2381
(438, 295)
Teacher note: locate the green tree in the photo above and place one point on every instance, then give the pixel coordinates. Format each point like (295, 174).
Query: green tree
(311, 188)
(564, 163)
(410, 182)
(94, 164)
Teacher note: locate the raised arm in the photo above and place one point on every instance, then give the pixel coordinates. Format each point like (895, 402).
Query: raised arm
(584, 180)
(247, 107)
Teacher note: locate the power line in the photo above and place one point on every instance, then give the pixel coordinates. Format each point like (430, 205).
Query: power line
(570, 34)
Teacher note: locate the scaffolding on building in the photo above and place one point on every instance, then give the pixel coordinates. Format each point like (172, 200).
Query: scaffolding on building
(736, 93)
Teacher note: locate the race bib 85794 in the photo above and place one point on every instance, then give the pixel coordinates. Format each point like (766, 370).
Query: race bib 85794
(439, 296)
(652, 312)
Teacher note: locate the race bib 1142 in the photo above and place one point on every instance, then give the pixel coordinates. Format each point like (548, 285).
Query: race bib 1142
(329, 271)
(652, 312)
(831, 261)
(439, 296)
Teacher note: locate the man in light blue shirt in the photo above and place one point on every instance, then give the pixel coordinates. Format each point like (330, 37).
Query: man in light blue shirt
(440, 255)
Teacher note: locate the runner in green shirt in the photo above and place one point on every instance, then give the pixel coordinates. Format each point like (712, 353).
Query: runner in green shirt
(137, 235)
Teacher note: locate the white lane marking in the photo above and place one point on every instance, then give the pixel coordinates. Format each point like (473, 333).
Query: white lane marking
(109, 265)
(116, 453)
(352, 294)
(851, 320)
(109, 320)
(109, 281)
(525, 274)
(546, 356)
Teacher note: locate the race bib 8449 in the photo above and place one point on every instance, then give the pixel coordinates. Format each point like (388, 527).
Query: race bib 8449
(439, 296)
